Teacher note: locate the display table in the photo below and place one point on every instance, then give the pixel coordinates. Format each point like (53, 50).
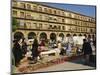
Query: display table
(56, 52)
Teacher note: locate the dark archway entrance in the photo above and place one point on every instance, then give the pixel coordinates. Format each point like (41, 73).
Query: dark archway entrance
(89, 36)
(85, 35)
(80, 34)
(53, 36)
(61, 35)
(43, 36)
(31, 35)
(68, 35)
(18, 35)
(74, 35)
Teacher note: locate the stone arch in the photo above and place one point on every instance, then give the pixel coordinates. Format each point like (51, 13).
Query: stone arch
(74, 34)
(31, 35)
(67, 35)
(89, 36)
(61, 35)
(18, 35)
(85, 35)
(53, 36)
(80, 35)
(43, 36)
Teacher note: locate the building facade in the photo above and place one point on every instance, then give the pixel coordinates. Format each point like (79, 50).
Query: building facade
(46, 22)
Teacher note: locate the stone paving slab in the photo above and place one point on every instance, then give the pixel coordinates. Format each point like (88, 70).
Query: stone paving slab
(52, 63)
(65, 66)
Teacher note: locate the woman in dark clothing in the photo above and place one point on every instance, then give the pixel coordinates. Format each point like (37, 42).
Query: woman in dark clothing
(24, 46)
(35, 52)
(17, 51)
(87, 50)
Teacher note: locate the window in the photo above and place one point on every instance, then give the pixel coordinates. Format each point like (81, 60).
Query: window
(63, 20)
(50, 27)
(71, 29)
(90, 19)
(81, 23)
(50, 11)
(14, 12)
(55, 12)
(22, 5)
(46, 17)
(21, 14)
(75, 28)
(14, 4)
(88, 24)
(81, 17)
(73, 22)
(63, 13)
(70, 15)
(59, 27)
(40, 25)
(91, 30)
(35, 8)
(40, 17)
(93, 25)
(40, 9)
(76, 22)
(78, 29)
(85, 24)
(59, 13)
(85, 29)
(63, 27)
(78, 17)
(35, 25)
(55, 19)
(28, 24)
(55, 27)
(45, 26)
(84, 18)
(93, 20)
(45, 10)
(21, 23)
(28, 6)
(50, 17)
(81, 29)
(28, 16)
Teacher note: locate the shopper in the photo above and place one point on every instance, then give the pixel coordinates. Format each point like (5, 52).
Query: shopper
(87, 50)
(35, 52)
(24, 46)
(17, 51)
(68, 49)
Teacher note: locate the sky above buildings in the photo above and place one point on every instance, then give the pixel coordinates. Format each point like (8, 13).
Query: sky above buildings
(82, 9)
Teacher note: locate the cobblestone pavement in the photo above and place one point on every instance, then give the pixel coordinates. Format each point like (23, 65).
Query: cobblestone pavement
(72, 65)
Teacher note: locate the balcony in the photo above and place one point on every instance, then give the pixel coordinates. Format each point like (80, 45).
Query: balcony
(14, 4)
(29, 17)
